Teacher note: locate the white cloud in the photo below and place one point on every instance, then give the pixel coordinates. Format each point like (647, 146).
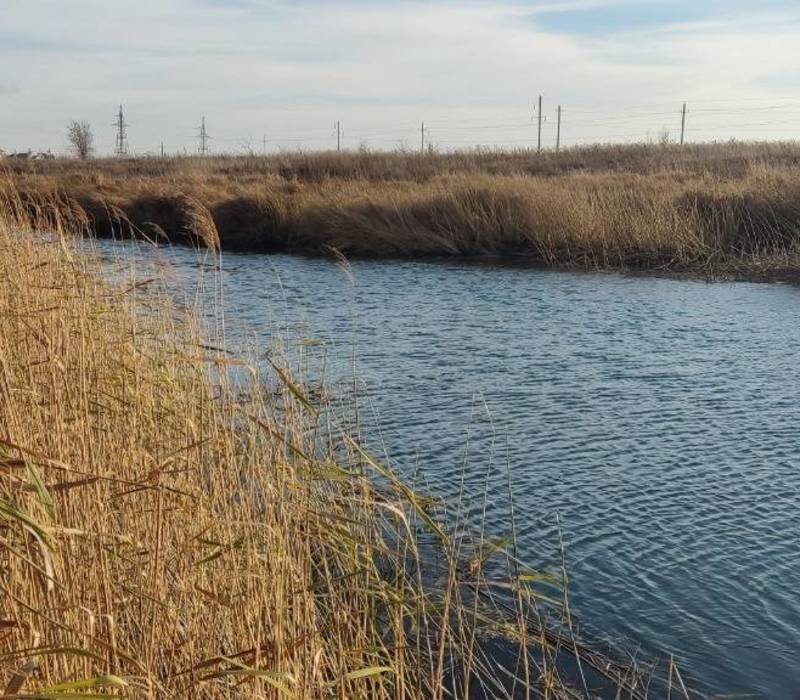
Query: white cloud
(471, 70)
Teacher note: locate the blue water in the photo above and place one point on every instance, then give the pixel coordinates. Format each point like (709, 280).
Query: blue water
(659, 418)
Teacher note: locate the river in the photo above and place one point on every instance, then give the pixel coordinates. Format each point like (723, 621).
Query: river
(659, 418)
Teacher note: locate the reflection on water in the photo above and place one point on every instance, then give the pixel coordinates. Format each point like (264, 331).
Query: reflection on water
(658, 418)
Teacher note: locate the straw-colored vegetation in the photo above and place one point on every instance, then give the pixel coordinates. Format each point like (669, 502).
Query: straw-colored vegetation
(719, 209)
(167, 532)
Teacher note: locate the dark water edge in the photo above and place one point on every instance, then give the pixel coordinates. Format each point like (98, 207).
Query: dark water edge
(735, 269)
(658, 417)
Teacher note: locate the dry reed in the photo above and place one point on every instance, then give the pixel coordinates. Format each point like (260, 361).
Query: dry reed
(717, 209)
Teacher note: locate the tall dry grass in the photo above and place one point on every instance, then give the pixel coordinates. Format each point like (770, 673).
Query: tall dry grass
(168, 533)
(730, 209)
(724, 160)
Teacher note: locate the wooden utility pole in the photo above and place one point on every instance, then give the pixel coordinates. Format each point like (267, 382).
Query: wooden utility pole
(264, 144)
(162, 149)
(683, 122)
(558, 129)
(539, 142)
(422, 137)
(338, 136)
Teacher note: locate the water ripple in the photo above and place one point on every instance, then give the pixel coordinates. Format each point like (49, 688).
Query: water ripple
(659, 418)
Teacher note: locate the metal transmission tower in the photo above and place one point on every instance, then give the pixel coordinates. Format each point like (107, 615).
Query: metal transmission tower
(203, 137)
(121, 147)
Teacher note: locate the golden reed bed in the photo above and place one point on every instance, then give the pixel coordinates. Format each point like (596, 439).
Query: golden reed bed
(726, 209)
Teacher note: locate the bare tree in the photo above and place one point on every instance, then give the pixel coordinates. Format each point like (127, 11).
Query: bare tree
(81, 139)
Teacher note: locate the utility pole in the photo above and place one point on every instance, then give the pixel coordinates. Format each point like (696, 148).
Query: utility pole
(162, 149)
(121, 147)
(558, 129)
(203, 137)
(683, 122)
(539, 142)
(422, 138)
(264, 144)
(338, 136)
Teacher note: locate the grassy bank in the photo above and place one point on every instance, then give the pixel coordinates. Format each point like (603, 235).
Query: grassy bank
(716, 209)
(166, 534)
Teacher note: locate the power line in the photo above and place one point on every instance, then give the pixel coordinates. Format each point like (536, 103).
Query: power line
(502, 127)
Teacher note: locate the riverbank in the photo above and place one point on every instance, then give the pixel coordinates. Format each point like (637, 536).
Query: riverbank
(168, 532)
(717, 210)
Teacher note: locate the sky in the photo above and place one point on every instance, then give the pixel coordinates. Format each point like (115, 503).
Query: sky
(271, 75)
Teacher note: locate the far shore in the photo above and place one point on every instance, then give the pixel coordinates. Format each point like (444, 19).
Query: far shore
(728, 211)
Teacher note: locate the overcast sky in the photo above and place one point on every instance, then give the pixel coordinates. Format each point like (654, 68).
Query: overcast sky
(286, 71)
